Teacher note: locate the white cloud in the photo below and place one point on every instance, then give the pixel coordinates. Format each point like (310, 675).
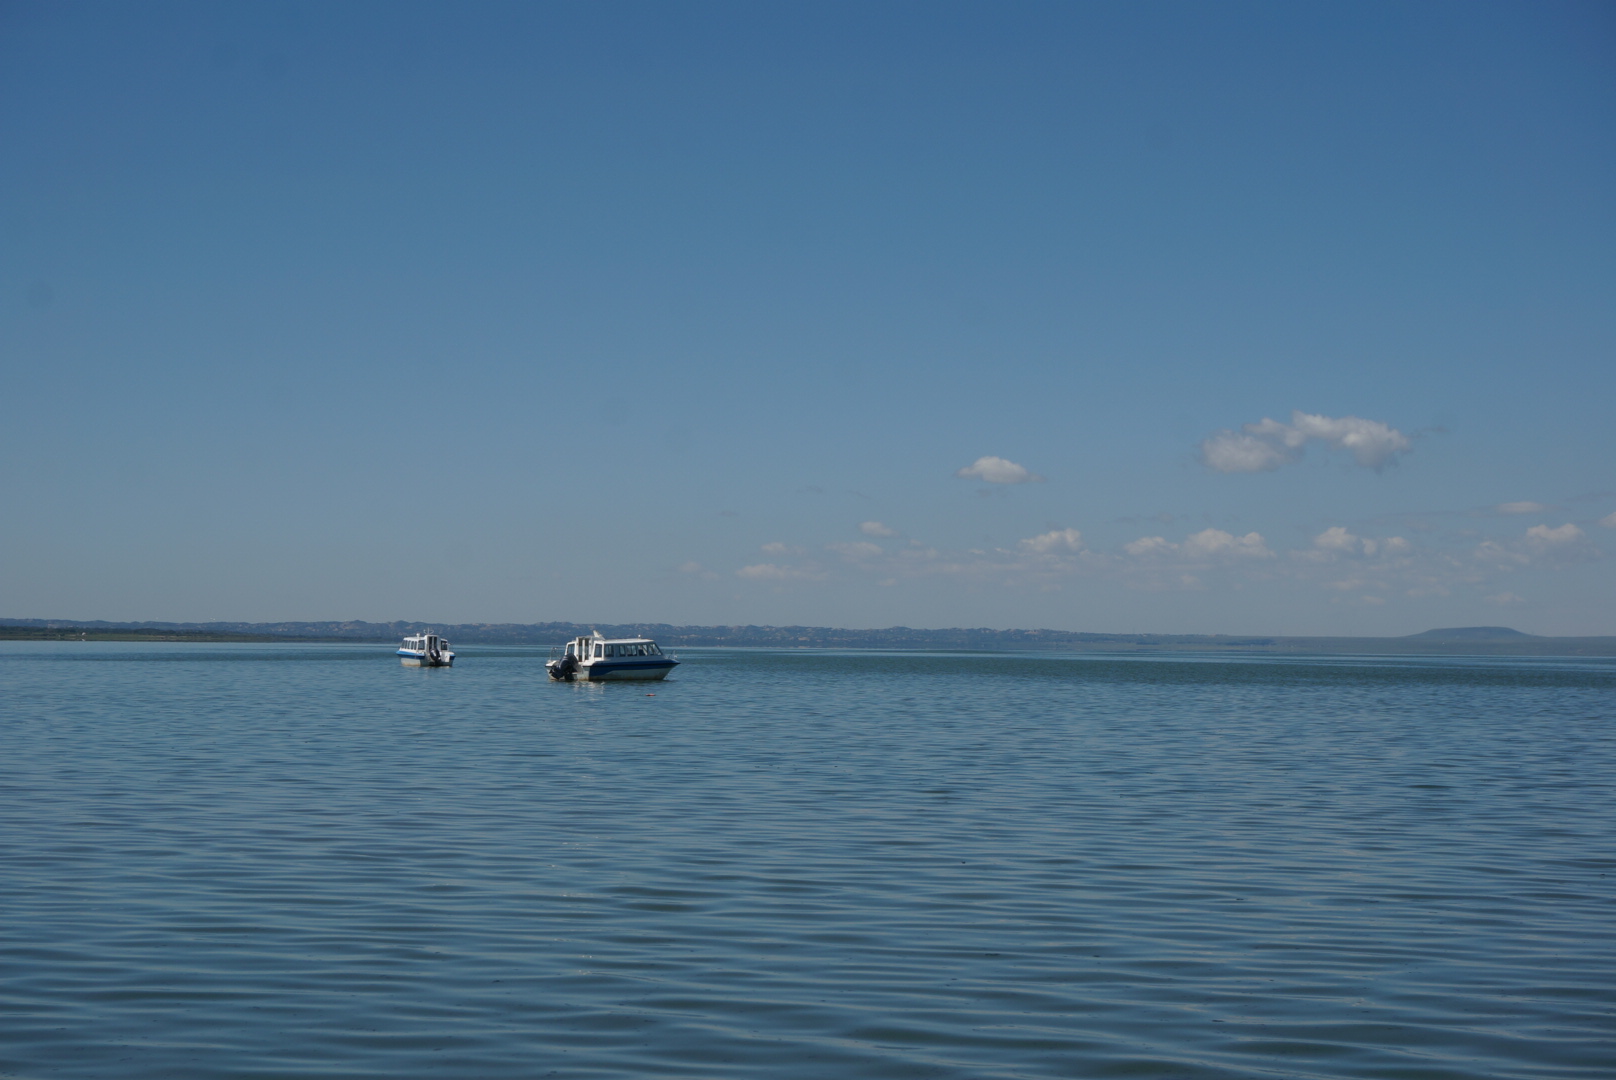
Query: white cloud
(1496, 554)
(1215, 543)
(858, 551)
(1338, 560)
(772, 572)
(1150, 547)
(875, 528)
(1057, 540)
(1520, 508)
(1268, 444)
(1609, 520)
(1543, 536)
(1204, 546)
(1232, 452)
(996, 470)
(1338, 542)
(1337, 539)
(1373, 444)
(1567, 543)
(1564, 544)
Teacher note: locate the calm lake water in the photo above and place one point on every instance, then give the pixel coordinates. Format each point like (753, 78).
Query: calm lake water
(310, 861)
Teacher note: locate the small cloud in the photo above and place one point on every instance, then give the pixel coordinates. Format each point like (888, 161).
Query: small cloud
(772, 572)
(1337, 539)
(690, 568)
(1567, 543)
(857, 551)
(1496, 554)
(1504, 598)
(1057, 540)
(1609, 520)
(1520, 508)
(1149, 547)
(1233, 452)
(1268, 444)
(1204, 546)
(875, 528)
(777, 548)
(1543, 536)
(997, 470)
(1215, 543)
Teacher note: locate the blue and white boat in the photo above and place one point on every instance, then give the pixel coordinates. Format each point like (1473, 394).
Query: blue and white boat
(425, 650)
(597, 658)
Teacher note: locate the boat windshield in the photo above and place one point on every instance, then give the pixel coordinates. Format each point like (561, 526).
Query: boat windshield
(629, 648)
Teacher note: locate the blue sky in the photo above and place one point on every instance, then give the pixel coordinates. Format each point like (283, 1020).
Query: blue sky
(1245, 318)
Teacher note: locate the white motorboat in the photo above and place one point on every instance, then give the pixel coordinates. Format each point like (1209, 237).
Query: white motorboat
(598, 658)
(425, 650)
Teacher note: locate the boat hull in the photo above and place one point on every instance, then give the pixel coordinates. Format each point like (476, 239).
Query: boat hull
(626, 672)
(412, 660)
(622, 671)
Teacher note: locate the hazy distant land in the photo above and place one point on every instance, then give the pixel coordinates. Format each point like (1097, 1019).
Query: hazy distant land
(1467, 640)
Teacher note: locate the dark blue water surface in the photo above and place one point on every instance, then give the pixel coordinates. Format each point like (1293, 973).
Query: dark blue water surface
(310, 861)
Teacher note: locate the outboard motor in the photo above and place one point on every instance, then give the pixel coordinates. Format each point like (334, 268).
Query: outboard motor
(565, 669)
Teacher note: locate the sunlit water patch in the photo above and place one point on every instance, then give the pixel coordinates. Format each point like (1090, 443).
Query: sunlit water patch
(291, 860)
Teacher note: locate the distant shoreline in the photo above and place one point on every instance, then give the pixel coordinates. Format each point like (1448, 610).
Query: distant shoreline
(1460, 641)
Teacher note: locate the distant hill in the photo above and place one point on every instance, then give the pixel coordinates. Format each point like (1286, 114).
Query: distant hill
(1463, 640)
(1472, 633)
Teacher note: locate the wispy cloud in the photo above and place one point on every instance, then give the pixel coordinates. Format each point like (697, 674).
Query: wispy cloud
(1568, 543)
(1337, 542)
(774, 572)
(1056, 540)
(1216, 544)
(1520, 508)
(858, 551)
(1349, 564)
(1205, 546)
(998, 470)
(1268, 444)
(875, 528)
(1609, 520)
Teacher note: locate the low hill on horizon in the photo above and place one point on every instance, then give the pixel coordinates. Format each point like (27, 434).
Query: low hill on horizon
(1472, 633)
(1464, 640)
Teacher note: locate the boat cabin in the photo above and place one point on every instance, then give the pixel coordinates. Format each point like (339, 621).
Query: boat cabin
(607, 649)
